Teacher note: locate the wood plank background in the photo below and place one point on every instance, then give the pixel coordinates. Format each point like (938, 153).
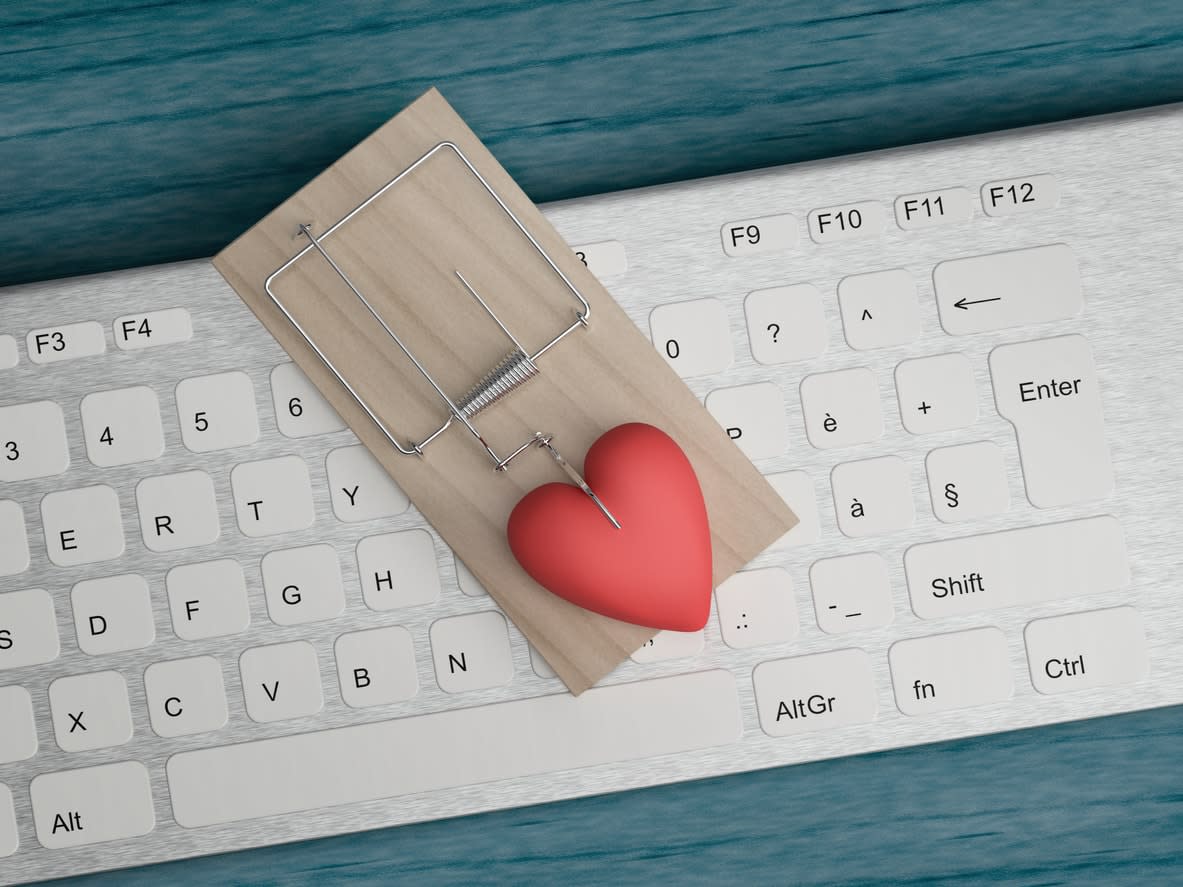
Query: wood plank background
(139, 132)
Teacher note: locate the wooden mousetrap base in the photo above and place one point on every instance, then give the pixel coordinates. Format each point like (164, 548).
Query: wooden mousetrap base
(403, 252)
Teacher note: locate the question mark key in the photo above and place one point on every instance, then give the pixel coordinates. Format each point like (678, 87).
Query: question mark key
(786, 323)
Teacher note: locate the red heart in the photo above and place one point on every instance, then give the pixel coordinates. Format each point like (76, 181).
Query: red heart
(656, 569)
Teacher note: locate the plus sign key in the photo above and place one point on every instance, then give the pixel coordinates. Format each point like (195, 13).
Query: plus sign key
(936, 393)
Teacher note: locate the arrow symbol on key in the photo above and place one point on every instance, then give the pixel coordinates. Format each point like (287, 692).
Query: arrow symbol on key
(964, 305)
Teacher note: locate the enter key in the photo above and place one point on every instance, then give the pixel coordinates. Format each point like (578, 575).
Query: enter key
(1048, 390)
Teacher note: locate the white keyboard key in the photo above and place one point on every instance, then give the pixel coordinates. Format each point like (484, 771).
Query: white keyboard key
(469, 584)
(113, 614)
(300, 409)
(936, 393)
(1009, 196)
(841, 408)
(541, 666)
(994, 292)
(927, 209)
(796, 489)
(122, 427)
(1085, 650)
(82, 526)
(90, 711)
(670, 645)
(152, 329)
(273, 496)
(851, 593)
(854, 221)
(753, 416)
(9, 837)
(14, 542)
(398, 570)
(28, 629)
(1013, 567)
(18, 730)
(9, 357)
(967, 481)
(606, 258)
(32, 441)
(817, 692)
(471, 652)
(1048, 390)
(281, 681)
(693, 337)
(105, 803)
(186, 696)
(757, 607)
(948, 671)
(178, 511)
(360, 487)
(208, 600)
(873, 496)
(53, 344)
(768, 234)
(879, 309)
(303, 585)
(217, 412)
(376, 666)
(786, 323)
(524, 737)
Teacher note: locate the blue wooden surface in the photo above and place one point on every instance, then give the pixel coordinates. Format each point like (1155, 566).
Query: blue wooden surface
(133, 133)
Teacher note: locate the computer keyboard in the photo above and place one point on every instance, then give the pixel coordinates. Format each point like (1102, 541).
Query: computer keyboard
(223, 626)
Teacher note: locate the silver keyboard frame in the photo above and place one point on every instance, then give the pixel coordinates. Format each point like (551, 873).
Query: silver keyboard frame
(1121, 210)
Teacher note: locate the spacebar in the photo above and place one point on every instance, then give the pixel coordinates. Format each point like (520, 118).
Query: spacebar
(453, 748)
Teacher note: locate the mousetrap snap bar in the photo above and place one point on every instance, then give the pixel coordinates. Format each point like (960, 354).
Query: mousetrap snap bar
(515, 369)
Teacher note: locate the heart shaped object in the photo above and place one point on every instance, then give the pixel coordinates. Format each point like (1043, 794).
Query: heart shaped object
(655, 570)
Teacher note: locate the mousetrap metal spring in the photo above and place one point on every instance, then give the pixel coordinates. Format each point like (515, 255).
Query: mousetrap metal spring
(513, 371)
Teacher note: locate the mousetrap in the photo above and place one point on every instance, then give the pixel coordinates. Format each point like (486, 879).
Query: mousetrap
(456, 333)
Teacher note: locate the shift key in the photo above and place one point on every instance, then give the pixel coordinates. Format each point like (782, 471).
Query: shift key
(1048, 390)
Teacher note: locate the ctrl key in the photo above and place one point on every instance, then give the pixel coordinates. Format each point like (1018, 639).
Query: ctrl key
(96, 804)
(1084, 650)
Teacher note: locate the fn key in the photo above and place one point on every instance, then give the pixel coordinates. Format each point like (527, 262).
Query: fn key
(958, 670)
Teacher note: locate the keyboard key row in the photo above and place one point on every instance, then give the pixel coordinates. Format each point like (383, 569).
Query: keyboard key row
(124, 426)
(952, 671)
(925, 209)
(132, 332)
(286, 775)
(795, 695)
(279, 682)
(306, 771)
(179, 511)
(879, 310)
(757, 607)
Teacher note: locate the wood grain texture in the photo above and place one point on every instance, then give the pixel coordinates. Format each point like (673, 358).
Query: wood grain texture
(138, 132)
(403, 253)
